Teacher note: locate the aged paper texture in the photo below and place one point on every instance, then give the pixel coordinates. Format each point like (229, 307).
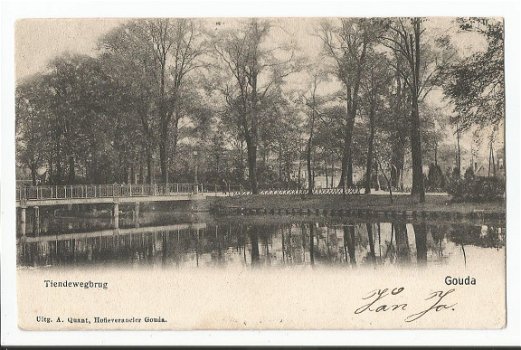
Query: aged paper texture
(260, 173)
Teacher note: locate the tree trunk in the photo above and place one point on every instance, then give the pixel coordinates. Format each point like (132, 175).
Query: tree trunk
(332, 182)
(163, 153)
(458, 155)
(311, 182)
(149, 167)
(252, 165)
(72, 170)
(164, 119)
(265, 155)
(125, 177)
(343, 165)
(59, 170)
(33, 174)
(349, 175)
(418, 187)
(493, 163)
(310, 172)
(369, 165)
(346, 176)
(141, 170)
(279, 161)
(326, 173)
(436, 153)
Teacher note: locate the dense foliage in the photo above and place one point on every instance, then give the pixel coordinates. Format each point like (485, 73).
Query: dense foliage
(239, 103)
(476, 189)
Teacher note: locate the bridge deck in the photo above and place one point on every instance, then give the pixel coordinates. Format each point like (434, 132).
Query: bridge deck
(108, 200)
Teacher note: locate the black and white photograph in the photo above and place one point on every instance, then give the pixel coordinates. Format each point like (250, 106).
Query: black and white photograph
(261, 173)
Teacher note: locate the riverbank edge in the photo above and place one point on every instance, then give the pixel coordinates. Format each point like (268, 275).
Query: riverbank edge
(435, 206)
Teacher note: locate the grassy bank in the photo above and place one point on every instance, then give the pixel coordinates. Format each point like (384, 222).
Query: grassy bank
(438, 203)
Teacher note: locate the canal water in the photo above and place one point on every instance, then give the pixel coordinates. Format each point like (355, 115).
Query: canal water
(182, 239)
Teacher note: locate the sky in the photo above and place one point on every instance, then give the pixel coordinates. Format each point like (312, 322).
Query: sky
(40, 40)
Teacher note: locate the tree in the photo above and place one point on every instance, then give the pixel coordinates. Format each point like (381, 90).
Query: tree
(398, 123)
(375, 86)
(434, 128)
(32, 124)
(55, 115)
(159, 54)
(329, 137)
(476, 84)
(132, 67)
(79, 90)
(311, 101)
(405, 38)
(287, 139)
(347, 46)
(384, 161)
(256, 72)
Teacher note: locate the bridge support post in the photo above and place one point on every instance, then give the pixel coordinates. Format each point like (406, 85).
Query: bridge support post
(115, 214)
(37, 220)
(23, 220)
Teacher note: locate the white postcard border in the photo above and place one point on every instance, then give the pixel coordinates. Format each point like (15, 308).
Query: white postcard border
(12, 10)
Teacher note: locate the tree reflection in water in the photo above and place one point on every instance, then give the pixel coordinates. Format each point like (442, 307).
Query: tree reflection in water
(371, 257)
(349, 241)
(420, 236)
(311, 243)
(334, 243)
(402, 244)
(254, 244)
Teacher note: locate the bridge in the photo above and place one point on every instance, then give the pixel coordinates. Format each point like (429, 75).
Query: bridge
(37, 196)
(32, 196)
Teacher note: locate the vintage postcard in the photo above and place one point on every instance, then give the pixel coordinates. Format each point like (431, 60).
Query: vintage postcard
(262, 173)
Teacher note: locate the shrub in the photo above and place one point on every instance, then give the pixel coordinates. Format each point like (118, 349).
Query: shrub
(476, 189)
(469, 174)
(435, 180)
(456, 173)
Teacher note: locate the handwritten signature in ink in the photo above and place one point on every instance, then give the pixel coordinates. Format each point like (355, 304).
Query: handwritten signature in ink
(381, 300)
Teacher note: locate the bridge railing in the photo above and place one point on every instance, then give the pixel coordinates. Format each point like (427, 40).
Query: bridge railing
(238, 190)
(102, 191)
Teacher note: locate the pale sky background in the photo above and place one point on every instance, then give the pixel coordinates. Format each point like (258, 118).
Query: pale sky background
(40, 40)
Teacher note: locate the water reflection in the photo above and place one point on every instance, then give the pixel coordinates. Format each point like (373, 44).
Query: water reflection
(241, 243)
(58, 221)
